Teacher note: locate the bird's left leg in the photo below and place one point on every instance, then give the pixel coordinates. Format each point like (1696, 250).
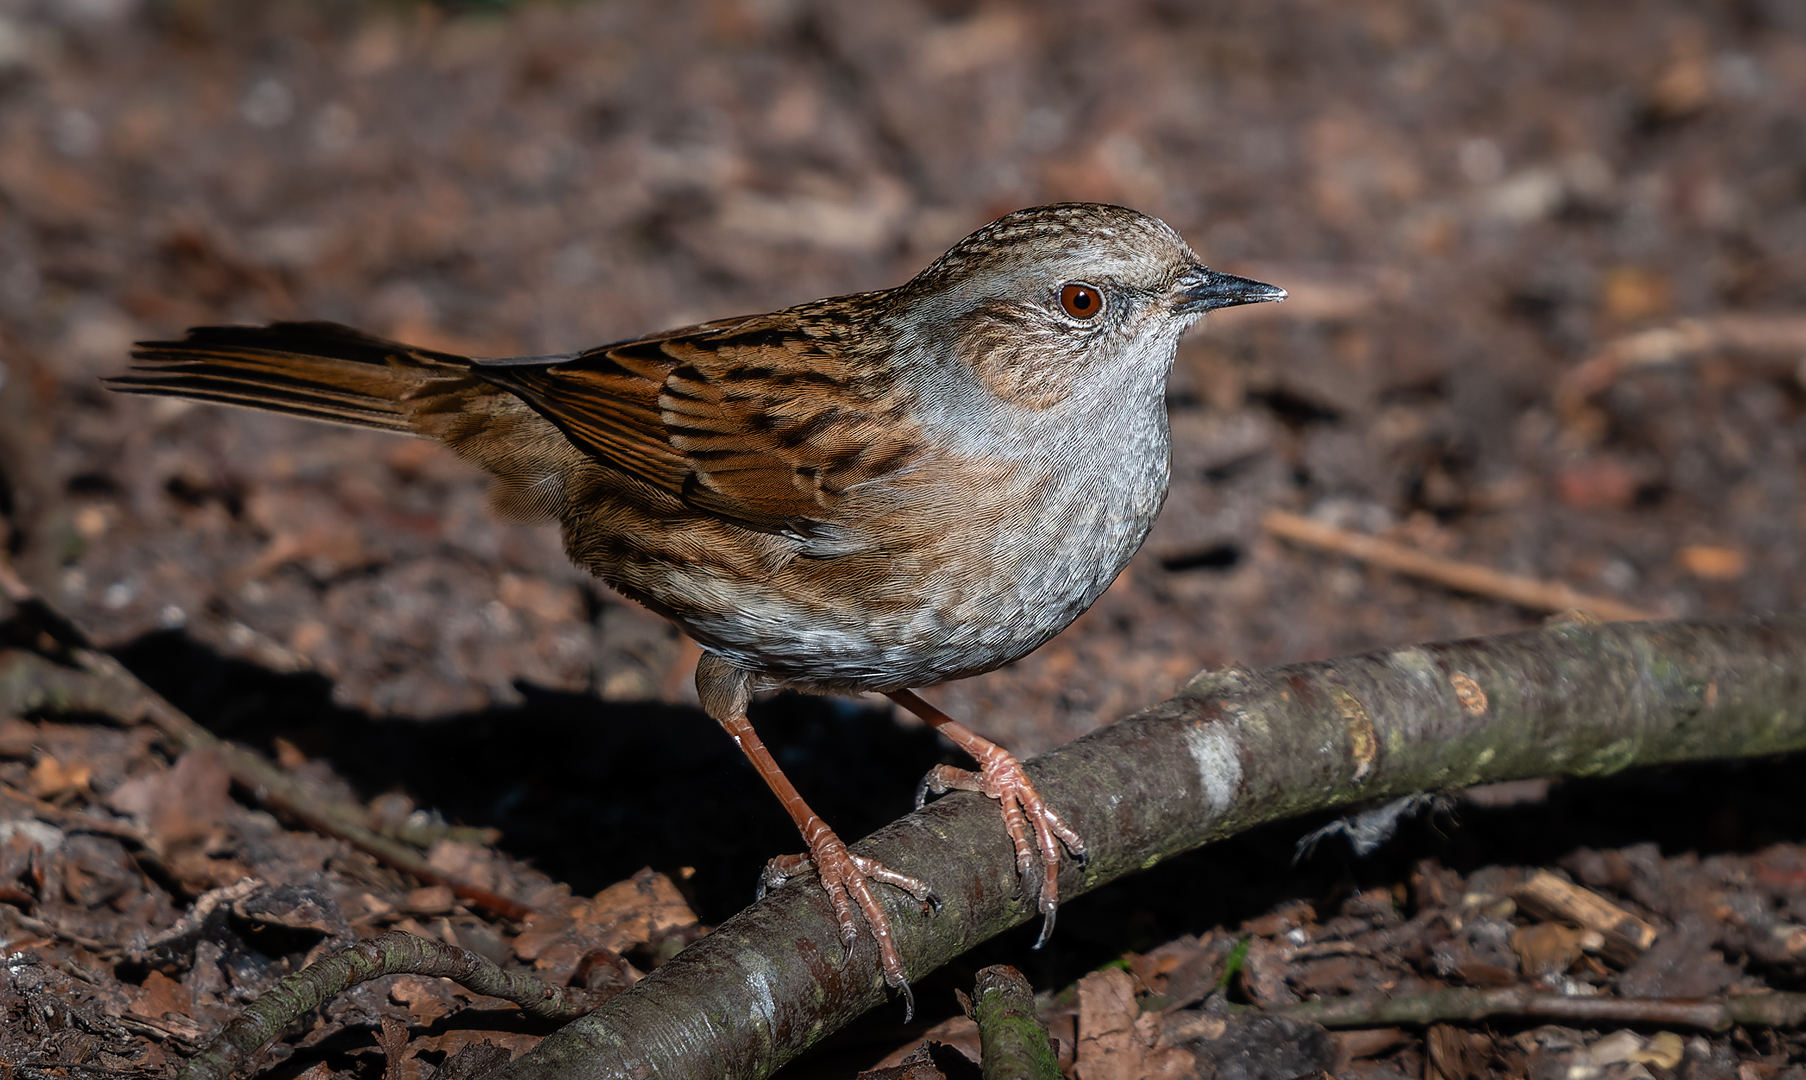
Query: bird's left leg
(1000, 776)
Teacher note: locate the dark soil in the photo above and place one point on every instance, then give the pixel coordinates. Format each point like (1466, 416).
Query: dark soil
(1468, 203)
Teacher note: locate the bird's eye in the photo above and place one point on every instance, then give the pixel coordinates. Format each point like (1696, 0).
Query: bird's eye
(1081, 301)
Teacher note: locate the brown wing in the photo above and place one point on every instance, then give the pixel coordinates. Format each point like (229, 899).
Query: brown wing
(765, 421)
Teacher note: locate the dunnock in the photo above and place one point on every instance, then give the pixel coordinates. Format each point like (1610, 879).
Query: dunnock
(871, 492)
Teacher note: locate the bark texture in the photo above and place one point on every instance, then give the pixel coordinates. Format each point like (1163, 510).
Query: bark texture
(1234, 749)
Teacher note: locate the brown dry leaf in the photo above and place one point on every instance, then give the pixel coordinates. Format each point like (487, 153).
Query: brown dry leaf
(425, 999)
(958, 1034)
(1279, 922)
(392, 1037)
(305, 528)
(552, 602)
(647, 899)
(1632, 293)
(628, 913)
(1684, 86)
(160, 995)
(17, 738)
(191, 800)
(929, 1060)
(1153, 967)
(289, 756)
(1456, 1054)
(1549, 948)
(542, 929)
(51, 779)
(461, 860)
(1366, 1042)
(1109, 1048)
(1115, 1041)
(473, 1054)
(1711, 562)
(430, 900)
(1265, 969)
(180, 809)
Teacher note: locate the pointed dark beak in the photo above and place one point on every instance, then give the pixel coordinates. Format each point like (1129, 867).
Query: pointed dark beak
(1203, 289)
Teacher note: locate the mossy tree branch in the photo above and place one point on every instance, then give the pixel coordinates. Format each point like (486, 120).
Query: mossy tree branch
(1235, 749)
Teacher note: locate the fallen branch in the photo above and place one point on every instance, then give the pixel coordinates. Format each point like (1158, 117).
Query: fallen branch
(1532, 593)
(1015, 1042)
(1233, 750)
(1442, 1006)
(393, 953)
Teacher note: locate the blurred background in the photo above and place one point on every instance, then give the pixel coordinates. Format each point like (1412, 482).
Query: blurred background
(1547, 264)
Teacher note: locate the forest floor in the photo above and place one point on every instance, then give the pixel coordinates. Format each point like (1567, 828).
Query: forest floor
(1548, 316)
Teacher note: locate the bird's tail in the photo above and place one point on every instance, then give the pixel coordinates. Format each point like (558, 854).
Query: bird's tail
(324, 371)
(318, 370)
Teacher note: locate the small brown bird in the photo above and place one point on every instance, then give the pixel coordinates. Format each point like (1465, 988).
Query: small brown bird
(871, 492)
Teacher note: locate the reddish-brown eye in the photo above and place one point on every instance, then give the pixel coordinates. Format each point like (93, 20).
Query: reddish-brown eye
(1080, 300)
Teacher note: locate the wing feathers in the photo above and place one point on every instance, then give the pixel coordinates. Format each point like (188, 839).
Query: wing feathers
(766, 422)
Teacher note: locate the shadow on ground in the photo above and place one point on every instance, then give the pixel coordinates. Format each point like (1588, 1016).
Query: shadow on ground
(590, 791)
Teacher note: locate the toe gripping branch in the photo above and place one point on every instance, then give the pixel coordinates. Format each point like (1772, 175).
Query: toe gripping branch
(1001, 776)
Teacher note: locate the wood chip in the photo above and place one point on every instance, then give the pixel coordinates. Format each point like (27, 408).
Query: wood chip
(1549, 897)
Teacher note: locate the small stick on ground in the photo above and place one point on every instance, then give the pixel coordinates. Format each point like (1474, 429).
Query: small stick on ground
(393, 953)
(1014, 1041)
(1779, 336)
(1547, 896)
(1439, 1006)
(1550, 596)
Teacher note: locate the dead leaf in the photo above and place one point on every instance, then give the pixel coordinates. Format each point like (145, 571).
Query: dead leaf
(1548, 948)
(430, 900)
(392, 1037)
(1115, 1041)
(1632, 293)
(627, 914)
(644, 906)
(1711, 563)
(472, 864)
(956, 1034)
(160, 995)
(1108, 1047)
(1456, 1054)
(929, 1061)
(182, 806)
(51, 779)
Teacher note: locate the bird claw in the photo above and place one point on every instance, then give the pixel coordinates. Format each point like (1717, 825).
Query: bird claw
(847, 879)
(1000, 776)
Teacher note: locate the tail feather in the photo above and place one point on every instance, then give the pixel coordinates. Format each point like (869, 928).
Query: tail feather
(324, 371)
(318, 370)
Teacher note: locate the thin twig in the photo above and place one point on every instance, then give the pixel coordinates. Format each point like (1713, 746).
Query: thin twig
(393, 953)
(1441, 1006)
(1550, 596)
(44, 926)
(1783, 336)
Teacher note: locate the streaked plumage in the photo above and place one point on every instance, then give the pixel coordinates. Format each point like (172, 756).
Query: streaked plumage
(871, 492)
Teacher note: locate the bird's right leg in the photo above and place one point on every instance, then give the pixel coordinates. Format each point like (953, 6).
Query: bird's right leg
(725, 691)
